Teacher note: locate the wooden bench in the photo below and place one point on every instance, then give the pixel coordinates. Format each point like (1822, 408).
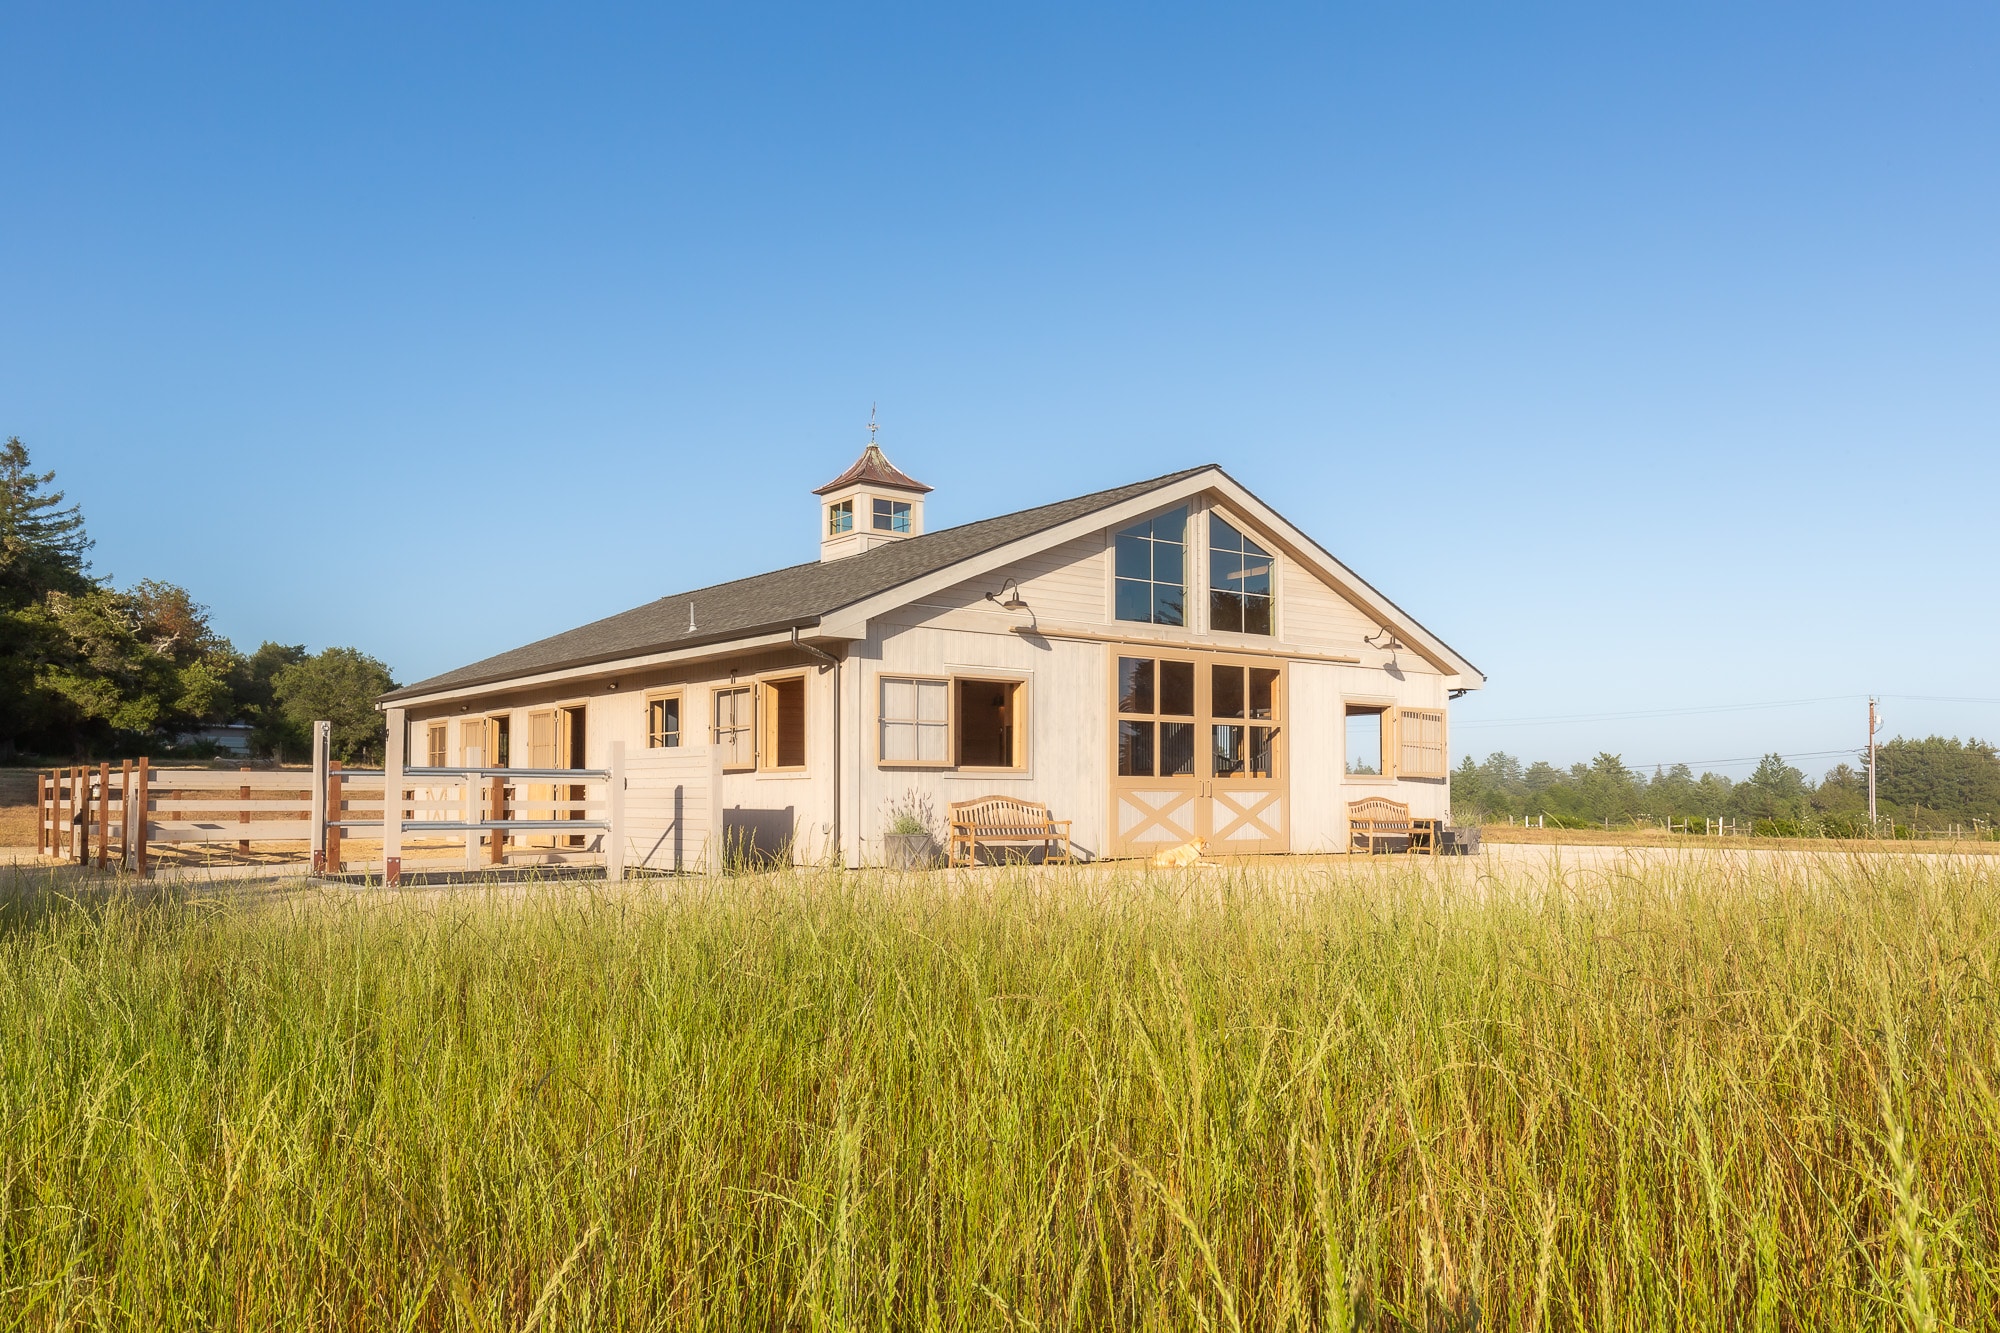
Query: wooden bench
(1379, 822)
(1004, 820)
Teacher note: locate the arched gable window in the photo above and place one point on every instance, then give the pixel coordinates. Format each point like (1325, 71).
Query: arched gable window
(1151, 569)
(1239, 580)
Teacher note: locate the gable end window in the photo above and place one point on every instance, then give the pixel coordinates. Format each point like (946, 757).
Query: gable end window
(1151, 569)
(892, 515)
(1239, 580)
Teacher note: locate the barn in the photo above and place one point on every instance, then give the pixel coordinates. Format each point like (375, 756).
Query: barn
(1159, 662)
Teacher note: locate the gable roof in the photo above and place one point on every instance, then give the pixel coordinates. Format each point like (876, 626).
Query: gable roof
(796, 597)
(875, 468)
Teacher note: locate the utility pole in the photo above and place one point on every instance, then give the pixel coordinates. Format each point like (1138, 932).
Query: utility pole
(1874, 725)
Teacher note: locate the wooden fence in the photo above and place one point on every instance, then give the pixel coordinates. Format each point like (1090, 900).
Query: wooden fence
(473, 817)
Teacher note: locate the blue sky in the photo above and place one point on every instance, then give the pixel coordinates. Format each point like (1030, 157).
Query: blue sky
(1648, 356)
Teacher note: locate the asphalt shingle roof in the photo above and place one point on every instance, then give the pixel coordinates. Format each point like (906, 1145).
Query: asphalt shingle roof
(782, 599)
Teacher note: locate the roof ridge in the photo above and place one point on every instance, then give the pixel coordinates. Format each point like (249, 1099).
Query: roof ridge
(795, 595)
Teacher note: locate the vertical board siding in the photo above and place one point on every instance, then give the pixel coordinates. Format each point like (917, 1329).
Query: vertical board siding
(1319, 820)
(1068, 701)
(667, 811)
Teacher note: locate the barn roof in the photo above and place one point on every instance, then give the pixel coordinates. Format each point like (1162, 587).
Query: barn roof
(796, 597)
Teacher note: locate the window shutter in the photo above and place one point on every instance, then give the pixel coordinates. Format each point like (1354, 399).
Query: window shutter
(1420, 743)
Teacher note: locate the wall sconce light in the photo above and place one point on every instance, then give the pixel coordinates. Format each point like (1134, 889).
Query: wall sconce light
(1013, 601)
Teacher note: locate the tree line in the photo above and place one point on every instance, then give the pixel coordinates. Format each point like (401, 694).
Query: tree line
(1918, 783)
(88, 670)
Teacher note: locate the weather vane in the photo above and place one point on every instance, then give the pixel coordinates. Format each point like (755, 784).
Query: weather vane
(871, 423)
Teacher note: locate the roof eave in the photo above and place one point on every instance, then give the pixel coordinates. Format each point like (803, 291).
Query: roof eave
(438, 685)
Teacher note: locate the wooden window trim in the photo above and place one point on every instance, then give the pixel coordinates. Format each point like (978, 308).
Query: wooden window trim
(1387, 708)
(1022, 758)
(657, 696)
(767, 723)
(950, 721)
(715, 729)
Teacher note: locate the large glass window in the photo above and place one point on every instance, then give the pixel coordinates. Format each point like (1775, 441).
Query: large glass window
(1364, 741)
(1242, 748)
(1155, 718)
(1239, 580)
(892, 515)
(1151, 565)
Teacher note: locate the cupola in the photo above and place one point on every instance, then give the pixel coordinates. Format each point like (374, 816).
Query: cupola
(871, 504)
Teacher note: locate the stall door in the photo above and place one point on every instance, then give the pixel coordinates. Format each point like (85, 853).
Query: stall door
(1196, 747)
(1244, 798)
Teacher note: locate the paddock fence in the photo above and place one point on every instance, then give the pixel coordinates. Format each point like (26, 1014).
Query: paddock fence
(652, 815)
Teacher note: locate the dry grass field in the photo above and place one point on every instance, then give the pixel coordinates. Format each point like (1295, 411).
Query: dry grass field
(17, 826)
(1515, 835)
(1697, 1095)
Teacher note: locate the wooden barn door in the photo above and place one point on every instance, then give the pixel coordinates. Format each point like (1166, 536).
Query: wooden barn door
(542, 742)
(1196, 747)
(1245, 795)
(1155, 774)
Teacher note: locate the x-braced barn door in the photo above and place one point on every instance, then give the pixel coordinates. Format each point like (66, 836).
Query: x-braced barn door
(1196, 754)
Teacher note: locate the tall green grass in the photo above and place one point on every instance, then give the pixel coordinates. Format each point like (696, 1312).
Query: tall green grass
(1277, 1098)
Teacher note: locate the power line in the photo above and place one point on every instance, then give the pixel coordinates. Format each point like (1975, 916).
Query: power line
(1657, 712)
(1638, 714)
(1745, 759)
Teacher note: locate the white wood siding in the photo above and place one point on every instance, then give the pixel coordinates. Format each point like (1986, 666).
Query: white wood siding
(669, 823)
(1068, 702)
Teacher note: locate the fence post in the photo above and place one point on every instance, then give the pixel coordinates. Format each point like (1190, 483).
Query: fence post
(614, 837)
(83, 785)
(142, 810)
(104, 814)
(336, 807)
(322, 733)
(497, 845)
(125, 816)
(41, 814)
(243, 794)
(469, 815)
(392, 801)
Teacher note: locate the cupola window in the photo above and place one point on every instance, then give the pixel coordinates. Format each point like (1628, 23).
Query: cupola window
(840, 518)
(892, 516)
